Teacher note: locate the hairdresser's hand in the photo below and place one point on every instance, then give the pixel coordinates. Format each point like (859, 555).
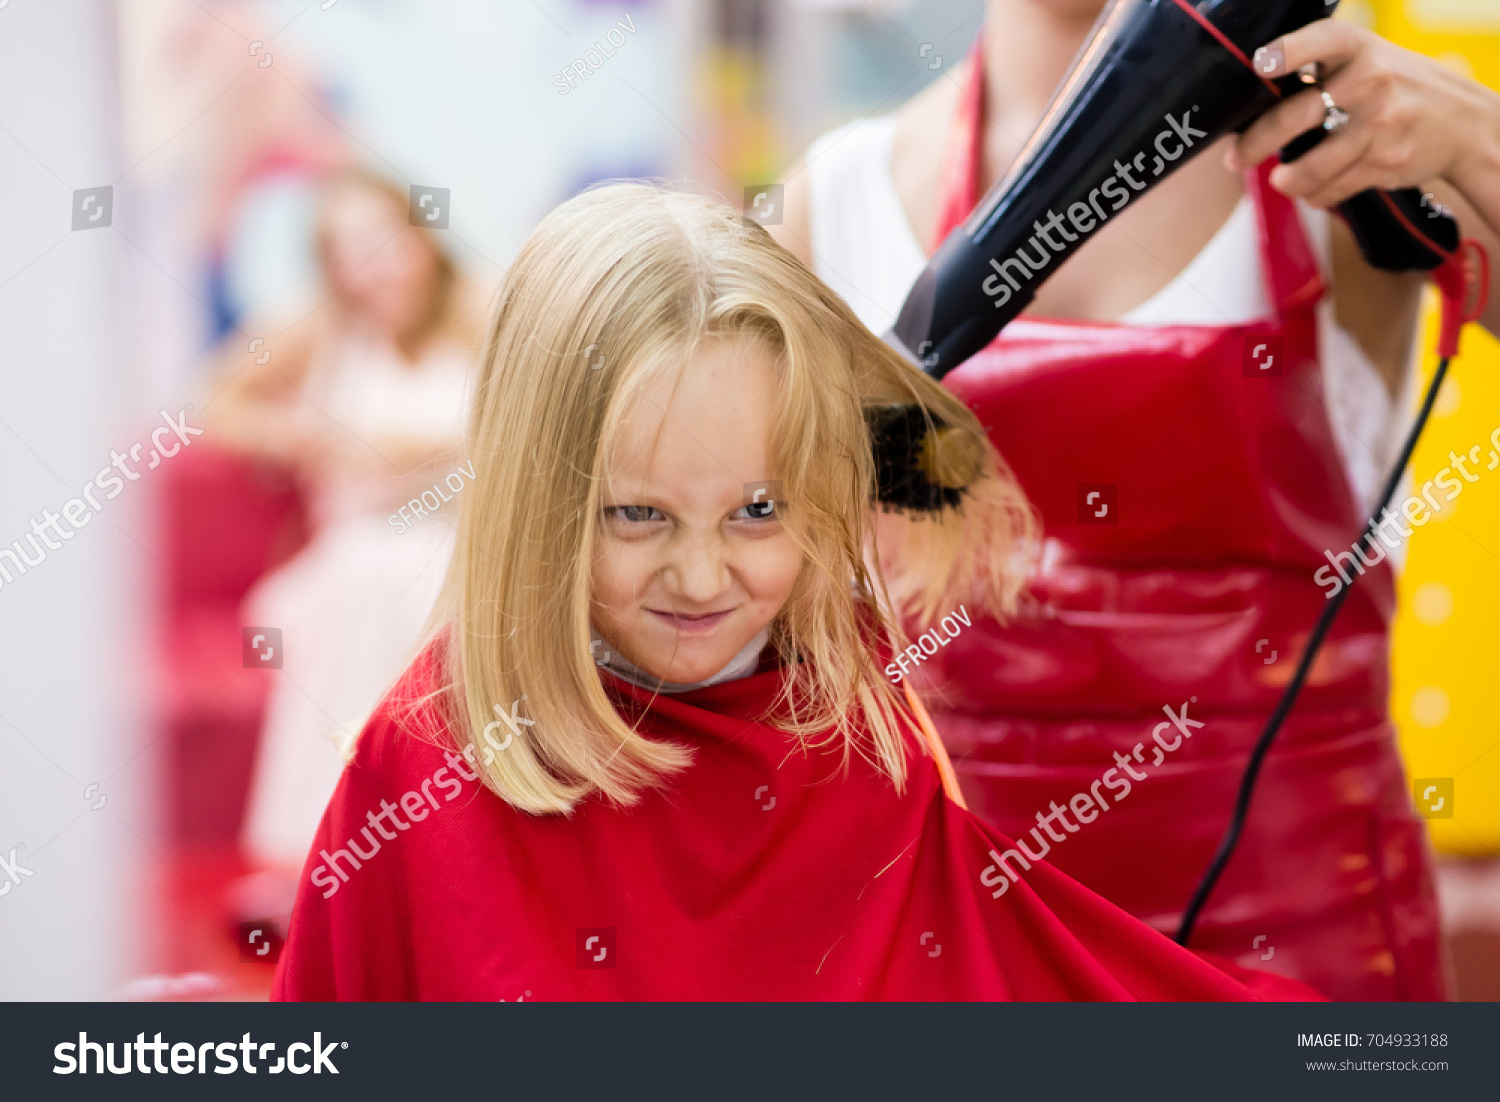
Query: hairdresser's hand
(1412, 121)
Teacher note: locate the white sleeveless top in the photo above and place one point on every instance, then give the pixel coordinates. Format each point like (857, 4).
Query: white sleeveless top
(363, 394)
(863, 247)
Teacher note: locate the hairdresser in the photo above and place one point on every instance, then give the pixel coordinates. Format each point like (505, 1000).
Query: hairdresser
(1226, 376)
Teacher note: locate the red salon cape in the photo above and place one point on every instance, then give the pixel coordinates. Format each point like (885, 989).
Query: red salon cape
(1190, 579)
(760, 872)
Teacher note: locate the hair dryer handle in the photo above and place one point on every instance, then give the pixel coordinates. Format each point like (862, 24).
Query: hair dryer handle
(1397, 231)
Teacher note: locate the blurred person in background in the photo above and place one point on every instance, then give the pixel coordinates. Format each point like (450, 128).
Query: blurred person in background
(363, 399)
(1127, 370)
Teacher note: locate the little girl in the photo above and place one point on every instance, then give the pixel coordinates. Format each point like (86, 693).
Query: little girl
(651, 752)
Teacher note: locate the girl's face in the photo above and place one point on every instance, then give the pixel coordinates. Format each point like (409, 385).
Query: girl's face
(691, 565)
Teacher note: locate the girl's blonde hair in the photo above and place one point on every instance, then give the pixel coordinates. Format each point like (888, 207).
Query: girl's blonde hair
(618, 284)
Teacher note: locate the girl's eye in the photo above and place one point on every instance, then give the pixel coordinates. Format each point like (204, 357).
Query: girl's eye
(759, 510)
(635, 514)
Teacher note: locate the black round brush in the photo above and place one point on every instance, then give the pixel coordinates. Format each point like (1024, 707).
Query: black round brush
(920, 463)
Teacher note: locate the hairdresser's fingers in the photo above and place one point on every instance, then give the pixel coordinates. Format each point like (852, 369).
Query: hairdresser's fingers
(1335, 170)
(1336, 46)
(1402, 115)
(1278, 126)
(1328, 41)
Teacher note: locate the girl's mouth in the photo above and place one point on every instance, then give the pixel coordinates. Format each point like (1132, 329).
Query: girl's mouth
(691, 625)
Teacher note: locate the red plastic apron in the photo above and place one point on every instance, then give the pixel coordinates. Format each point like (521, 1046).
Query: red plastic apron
(1186, 581)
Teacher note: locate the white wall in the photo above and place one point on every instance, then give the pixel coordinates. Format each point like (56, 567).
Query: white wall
(72, 628)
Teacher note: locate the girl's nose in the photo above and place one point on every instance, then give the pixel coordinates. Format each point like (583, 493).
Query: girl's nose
(699, 570)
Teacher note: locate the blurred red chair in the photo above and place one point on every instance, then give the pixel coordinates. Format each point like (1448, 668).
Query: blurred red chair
(227, 521)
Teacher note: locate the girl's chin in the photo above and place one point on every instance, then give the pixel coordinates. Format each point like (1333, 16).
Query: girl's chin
(691, 660)
(679, 674)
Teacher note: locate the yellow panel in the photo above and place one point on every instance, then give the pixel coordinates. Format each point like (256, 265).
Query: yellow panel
(1446, 684)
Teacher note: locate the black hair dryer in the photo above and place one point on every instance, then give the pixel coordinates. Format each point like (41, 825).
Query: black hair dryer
(1157, 82)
